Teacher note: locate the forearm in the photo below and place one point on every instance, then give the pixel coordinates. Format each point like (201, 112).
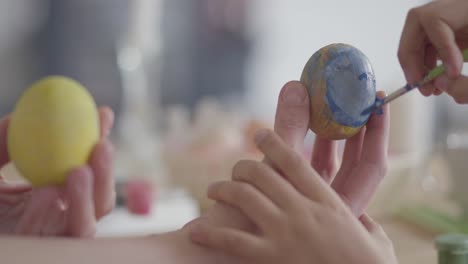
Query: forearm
(173, 247)
(74, 251)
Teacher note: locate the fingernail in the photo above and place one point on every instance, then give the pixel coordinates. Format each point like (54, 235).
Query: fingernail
(442, 83)
(192, 223)
(381, 94)
(211, 186)
(260, 136)
(294, 95)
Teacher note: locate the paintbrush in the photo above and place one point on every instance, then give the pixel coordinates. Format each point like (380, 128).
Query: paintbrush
(432, 75)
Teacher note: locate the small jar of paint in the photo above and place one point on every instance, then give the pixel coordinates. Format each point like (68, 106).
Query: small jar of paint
(452, 249)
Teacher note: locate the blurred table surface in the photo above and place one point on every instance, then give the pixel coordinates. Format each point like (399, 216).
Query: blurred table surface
(170, 212)
(173, 210)
(412, 245)
(405, 187)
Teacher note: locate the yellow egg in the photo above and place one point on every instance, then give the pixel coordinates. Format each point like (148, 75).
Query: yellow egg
(52, 130)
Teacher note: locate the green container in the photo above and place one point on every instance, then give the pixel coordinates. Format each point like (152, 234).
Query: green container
(452, 249)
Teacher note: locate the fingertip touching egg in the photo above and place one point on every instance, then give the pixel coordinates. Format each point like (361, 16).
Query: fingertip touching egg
(52, 130)
(341, 84)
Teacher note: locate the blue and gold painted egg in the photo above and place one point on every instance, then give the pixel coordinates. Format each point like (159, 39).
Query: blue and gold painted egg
(341, 85)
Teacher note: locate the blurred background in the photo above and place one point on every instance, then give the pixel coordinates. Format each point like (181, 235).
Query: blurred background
(191, 80)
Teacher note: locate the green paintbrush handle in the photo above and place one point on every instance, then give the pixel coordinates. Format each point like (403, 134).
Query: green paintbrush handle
(434, 73)
(439, 70)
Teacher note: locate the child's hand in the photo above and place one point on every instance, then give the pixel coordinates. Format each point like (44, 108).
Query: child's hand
(380, 238)
(69, 210)
(291, 124)
(435, 30)
(299, 217)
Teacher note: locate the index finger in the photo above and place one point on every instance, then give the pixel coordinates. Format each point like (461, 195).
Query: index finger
(442, 37)
(412, 47)
(375, 146)
(444, 22)
(293, 166)
(363, 180)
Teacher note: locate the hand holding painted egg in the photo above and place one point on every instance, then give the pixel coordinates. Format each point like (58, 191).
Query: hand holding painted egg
(52, 130)
(341, 85)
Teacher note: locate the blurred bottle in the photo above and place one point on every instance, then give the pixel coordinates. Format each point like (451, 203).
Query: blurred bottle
(452, 249)
(138, 52)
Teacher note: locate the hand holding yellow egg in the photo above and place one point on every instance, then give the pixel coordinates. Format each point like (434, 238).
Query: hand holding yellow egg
(52, 130)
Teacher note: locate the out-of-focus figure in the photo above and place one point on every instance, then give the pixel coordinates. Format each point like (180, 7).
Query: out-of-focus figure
(205, 50)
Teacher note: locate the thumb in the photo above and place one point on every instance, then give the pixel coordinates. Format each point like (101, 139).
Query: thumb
(292, 114)
(80, 215)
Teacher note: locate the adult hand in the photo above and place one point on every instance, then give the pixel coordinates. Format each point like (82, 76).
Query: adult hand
(436, 30)
(68, 210)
